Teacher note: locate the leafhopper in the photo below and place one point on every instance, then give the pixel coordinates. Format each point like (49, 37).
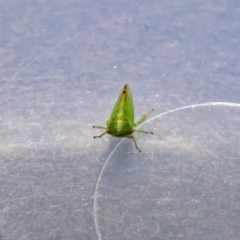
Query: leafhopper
(121, 122)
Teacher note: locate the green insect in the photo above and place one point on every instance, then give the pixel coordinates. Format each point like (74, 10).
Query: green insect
(121, 122)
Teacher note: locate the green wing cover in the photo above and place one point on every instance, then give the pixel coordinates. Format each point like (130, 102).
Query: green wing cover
(123, 107)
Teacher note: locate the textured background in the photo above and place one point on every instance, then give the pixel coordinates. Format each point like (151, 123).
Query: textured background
(62, 66)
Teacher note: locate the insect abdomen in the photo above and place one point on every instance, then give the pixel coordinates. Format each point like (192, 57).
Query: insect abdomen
(119, 127)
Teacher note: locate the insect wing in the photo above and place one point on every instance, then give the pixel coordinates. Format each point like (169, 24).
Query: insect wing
(124, 104)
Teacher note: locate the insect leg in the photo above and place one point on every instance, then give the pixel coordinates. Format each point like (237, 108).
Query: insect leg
(141, 131)
(143, 118)
(100, 135)
(99, 127)
(134, 140)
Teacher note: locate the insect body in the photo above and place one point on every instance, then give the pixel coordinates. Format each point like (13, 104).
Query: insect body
(121, 122)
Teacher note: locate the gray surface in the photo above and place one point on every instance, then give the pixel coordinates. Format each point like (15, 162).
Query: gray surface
(62, 65)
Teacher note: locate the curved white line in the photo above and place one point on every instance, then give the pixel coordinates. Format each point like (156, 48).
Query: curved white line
(159, 115)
